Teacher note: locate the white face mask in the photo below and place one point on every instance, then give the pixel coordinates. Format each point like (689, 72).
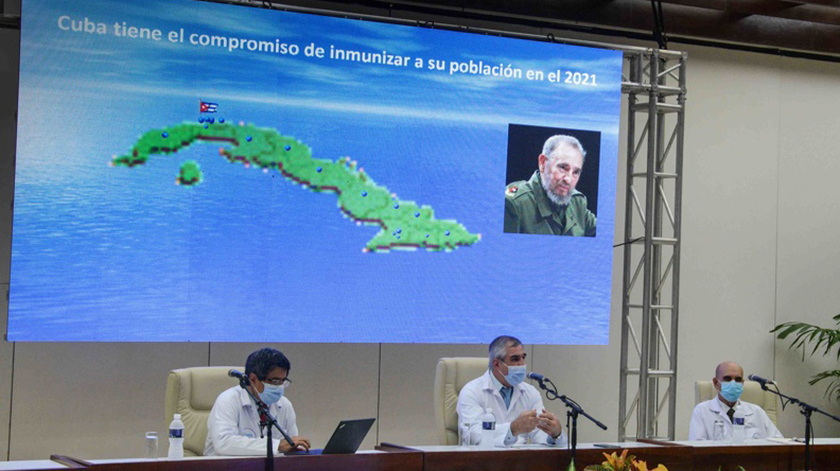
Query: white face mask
(731, 390)
(272, 393)
(516, 374)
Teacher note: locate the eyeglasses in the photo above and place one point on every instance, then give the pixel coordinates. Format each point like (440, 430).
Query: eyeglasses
(278, 382)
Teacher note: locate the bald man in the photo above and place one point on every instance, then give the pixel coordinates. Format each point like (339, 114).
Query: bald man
(729, 383)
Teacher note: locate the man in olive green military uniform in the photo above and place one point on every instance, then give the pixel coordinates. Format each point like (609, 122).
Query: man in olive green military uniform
(548, 203)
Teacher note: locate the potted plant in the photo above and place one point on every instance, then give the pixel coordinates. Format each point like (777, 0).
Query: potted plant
(821, 339)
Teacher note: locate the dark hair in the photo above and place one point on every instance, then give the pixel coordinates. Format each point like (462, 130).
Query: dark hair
(264, 360)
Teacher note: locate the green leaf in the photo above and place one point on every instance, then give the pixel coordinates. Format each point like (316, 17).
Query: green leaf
(813, 339)
(833, 388)
(788, 328)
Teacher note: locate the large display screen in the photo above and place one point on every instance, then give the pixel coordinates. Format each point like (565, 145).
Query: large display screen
(196, 171)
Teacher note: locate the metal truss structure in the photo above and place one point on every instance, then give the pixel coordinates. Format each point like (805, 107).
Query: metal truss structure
(654, 81)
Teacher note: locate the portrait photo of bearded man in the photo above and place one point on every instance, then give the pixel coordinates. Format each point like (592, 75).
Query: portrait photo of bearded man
(549, 202)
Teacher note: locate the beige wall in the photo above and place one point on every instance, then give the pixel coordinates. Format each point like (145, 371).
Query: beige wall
(808, 257)
(727, 295)
(759, 221)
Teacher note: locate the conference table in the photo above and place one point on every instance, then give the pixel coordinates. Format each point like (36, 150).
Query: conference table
(754, 455)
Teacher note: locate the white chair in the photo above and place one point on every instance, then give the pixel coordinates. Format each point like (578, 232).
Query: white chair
(192, 392)
(705, 390)
(450, 377)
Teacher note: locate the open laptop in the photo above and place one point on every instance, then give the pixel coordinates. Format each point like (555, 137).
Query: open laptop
(346, 439)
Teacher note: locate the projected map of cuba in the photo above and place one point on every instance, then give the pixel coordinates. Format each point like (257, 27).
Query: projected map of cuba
(341, 180)
(404, 224)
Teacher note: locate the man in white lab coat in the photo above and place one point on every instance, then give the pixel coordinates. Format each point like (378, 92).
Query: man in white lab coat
(233, 427)
(517, 406)
(729, 382)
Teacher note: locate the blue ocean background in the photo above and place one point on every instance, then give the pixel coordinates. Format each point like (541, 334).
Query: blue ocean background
(103, 253)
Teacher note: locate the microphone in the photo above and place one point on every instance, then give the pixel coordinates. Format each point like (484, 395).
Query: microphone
(243, 380)
(536, 376)
(550, 392)
(758, 379)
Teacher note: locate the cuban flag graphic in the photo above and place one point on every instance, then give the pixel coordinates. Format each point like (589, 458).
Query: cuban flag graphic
(207, 107)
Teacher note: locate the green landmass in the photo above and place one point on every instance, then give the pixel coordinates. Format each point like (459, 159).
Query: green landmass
(190, 174)
(403, 224)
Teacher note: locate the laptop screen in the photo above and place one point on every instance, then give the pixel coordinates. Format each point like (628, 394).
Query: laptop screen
(348, 436)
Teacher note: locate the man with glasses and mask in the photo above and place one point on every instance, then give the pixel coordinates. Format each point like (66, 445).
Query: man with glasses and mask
(517, 406)
(729, 382)
(233, 428)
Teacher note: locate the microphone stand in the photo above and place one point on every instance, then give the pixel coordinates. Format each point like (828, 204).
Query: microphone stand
(806, 410)
(270, 421)
(572, 413)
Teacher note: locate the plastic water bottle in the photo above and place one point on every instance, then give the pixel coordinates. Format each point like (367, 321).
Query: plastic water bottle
(739, 431)
(720, 431)
(488, 430)
(176, 438)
